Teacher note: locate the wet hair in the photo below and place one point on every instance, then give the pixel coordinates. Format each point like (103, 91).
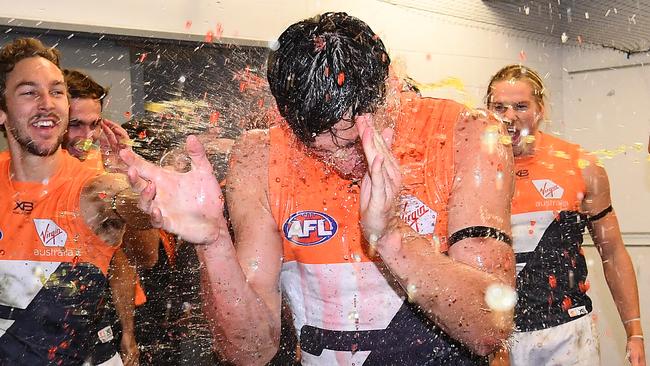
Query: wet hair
(326, 68)
(519, 73)
(16, 51)
(83, 86)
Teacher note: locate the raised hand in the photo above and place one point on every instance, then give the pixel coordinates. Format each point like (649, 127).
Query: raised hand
(381, 185)
(188, 204)
(113, 139)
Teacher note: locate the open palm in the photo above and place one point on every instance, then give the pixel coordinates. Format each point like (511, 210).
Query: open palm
(188, 204)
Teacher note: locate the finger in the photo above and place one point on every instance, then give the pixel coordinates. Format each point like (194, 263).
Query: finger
(157, 218)
(388, 135)
(361, 122)
(109, 134)
(378, 192)
(119, 131)
(197, 154)
(147, 195)
(368, 145)
(137, 184)
(104, 144)
(145, 169)
(392, 164)
(394, 174)
(365, 192)
(389, 187)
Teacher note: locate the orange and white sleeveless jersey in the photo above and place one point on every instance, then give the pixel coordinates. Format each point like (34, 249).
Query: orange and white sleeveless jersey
(52, 270)
(547, 229)
(345, 310)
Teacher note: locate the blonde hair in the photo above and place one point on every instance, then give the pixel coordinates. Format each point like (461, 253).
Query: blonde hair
(519, 73)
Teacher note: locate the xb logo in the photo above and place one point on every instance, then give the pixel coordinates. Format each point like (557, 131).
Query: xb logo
(24, 207)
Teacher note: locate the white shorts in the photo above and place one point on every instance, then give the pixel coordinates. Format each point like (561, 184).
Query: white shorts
(570, 344)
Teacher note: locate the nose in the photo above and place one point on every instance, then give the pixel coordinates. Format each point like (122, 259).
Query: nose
(45, 102)
(509, 114)
(87, 131)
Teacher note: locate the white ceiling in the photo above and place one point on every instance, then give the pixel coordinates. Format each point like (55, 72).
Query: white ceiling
(620, 24)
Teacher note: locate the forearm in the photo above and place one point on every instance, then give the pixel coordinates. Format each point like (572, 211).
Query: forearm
(453, 293)
(621, 279)
(246, 330)
(122, 283)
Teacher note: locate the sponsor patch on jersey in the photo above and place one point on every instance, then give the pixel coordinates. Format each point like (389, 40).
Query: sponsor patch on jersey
(1, 234)
(106, 334)
(522, 173)
(309, 228)
(580, 310)
(548, 189)
(417, 215)
(50, 233)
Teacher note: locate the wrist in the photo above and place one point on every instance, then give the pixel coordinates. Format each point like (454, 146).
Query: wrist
(633, 327)
(128, 332)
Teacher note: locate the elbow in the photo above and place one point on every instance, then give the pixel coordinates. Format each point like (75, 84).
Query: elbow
(495, 336)
(262, 355)
(487, 346)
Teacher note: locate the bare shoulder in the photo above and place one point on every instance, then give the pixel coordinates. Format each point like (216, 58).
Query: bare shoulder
(249, 159)
(597, 195)
(247, 179)
(478, 126)
(252, 140)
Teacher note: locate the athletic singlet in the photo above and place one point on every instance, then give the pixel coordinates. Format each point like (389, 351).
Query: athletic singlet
(345, 310)
(52, 271)
(547, 229)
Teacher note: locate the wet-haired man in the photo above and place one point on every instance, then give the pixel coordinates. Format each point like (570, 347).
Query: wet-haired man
(375, 234)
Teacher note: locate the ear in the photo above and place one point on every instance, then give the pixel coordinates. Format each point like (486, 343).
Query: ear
(3, 117)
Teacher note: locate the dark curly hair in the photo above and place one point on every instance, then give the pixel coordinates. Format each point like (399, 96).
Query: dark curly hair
(18, 50)
(83, 86)
(327, 67)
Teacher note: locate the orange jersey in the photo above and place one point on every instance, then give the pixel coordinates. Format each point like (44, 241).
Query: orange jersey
(547, 229)
(335, 287)
(53, 268)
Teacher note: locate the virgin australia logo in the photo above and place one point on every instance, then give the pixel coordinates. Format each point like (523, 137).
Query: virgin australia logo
(548, 189)
(50, 233)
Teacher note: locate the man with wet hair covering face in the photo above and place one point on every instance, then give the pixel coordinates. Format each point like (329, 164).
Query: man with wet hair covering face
(559, 190)
(375, 234)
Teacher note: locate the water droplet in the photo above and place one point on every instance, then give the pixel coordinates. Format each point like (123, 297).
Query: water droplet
(274, 44)
(564, 37)
(500, 297)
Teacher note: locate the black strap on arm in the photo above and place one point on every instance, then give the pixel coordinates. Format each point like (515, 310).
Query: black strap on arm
(479, 232)
(601, 214)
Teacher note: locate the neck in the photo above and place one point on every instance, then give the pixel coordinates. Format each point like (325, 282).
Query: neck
(26, 167)
(530, 149)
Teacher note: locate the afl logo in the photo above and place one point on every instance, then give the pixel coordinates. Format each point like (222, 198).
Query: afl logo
(1, 235)
(309, 228)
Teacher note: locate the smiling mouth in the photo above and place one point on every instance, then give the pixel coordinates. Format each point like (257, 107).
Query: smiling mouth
(49, 121)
